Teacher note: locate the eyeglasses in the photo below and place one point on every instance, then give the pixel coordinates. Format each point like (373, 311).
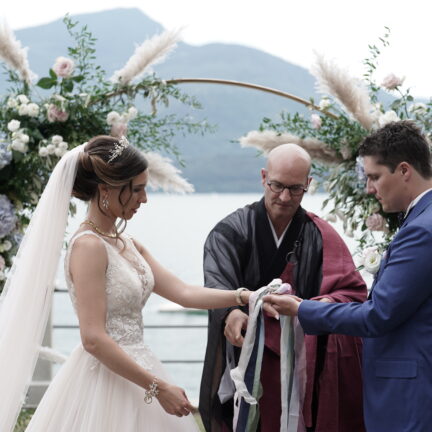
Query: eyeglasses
(294, 190)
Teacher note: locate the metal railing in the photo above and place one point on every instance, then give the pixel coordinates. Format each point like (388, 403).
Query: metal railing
(147, 327)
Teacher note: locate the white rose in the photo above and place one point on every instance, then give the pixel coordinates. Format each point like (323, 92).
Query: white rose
(23, 99)
(113, 117)
(324, 103)
(24, 138)
(33, 110)
(372, 261)
(43, 152)
(56, 139)
(59, 152)
(19, 146)
(7, 245)
(2, 276)
(63, 145)
(50, 148)
(387, 117)
(391, 81)
(23, 110)
(14, 125)
(132, 113)
(11, 103)
(63, 67)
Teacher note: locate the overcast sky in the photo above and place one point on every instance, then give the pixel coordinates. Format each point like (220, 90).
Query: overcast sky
(292, 30)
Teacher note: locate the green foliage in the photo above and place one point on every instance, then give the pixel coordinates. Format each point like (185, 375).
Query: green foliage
(38, 123)
(340, 133)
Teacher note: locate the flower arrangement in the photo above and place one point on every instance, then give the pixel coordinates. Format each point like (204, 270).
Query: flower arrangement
(348, 111)
(41, 119)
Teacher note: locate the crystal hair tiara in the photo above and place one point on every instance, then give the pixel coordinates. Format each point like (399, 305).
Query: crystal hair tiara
(118, 148)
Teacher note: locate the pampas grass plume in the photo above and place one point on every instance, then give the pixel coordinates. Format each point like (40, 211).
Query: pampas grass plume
(150, 52)
(13, 53)
(349, 91)
(163, 175)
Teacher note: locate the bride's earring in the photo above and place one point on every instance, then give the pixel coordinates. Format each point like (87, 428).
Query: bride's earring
(105, 202)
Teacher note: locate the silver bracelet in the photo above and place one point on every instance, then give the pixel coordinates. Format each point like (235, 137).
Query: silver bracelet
(152, 391)
(238, 296)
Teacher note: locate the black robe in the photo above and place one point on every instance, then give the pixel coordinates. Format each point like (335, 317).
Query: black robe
(241, 252)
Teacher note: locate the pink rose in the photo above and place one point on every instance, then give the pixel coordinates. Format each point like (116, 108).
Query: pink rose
(63, 67)
(315, 121)
(54, 113)
(376, 222)
(118, 129)
(391, 81)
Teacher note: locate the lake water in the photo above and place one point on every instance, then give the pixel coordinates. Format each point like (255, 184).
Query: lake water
(173, 228)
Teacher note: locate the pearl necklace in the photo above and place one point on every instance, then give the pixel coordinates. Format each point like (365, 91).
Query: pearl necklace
(99, 231)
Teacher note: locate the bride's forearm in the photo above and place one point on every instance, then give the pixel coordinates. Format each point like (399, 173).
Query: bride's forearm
(212, 298)
(109, 353)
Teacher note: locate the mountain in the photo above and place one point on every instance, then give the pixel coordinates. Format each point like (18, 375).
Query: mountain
(213, 162)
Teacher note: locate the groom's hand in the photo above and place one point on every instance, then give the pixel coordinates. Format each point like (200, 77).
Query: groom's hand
(235, 322)
(282, 304)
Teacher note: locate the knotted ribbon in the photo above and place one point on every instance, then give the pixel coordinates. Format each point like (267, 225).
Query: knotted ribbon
(246, 376)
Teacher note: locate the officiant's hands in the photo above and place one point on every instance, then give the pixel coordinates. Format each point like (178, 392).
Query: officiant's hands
(235, 322)
(281, 304)
(174, 400)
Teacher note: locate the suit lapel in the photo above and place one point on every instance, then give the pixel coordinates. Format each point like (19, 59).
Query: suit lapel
(418, 209)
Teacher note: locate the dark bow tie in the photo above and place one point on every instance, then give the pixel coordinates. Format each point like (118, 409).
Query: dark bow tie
(401, 218)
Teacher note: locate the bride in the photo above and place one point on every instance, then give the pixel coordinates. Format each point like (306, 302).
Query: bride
(112, 381)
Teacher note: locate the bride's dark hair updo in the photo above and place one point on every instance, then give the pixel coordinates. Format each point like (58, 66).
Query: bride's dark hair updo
(97, 166)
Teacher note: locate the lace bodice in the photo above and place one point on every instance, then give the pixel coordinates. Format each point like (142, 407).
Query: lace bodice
(129, 283)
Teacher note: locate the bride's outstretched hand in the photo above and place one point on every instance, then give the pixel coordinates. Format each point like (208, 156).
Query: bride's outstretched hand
(174, 400)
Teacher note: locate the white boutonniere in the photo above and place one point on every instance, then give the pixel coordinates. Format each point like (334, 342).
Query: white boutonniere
(370, 260)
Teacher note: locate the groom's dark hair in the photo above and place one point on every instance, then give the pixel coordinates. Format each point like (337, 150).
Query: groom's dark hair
(398, 142)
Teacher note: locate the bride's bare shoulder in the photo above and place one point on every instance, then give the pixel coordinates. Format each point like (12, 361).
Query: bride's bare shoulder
(85, 240)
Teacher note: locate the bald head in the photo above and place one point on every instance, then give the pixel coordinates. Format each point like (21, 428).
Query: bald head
(288, 157)
(287, 171)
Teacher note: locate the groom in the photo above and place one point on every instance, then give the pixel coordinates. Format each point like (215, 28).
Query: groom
(396, 321)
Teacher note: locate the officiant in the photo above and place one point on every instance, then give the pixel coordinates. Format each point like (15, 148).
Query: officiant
(275, 237)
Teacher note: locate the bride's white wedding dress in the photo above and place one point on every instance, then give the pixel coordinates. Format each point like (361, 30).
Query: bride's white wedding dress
(86, 396)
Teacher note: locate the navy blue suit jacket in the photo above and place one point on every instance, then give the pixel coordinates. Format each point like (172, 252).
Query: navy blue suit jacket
(396, 324)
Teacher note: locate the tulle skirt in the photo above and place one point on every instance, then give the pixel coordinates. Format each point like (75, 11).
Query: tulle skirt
(85, 396)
